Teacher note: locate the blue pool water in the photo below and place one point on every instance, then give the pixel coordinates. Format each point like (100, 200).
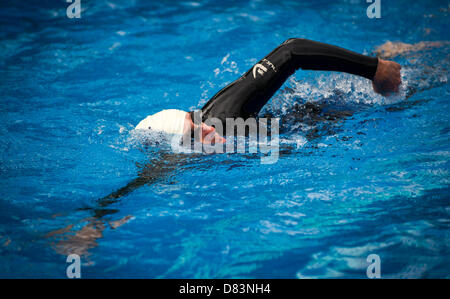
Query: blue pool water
(368, 175)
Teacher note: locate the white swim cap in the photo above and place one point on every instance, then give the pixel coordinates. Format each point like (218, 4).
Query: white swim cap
(170, 121)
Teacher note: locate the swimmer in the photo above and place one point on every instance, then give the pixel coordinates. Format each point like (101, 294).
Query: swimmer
(245, 97)
(236, 100)
(390, 49)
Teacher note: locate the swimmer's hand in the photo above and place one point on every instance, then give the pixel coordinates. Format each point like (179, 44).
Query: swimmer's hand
(209, 134)
(387, 77)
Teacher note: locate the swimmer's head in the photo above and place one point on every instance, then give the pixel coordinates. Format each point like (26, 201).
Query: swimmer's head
(170, 121)
(178, 122)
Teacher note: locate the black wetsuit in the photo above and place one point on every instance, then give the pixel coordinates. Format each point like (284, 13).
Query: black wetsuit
(246, 96)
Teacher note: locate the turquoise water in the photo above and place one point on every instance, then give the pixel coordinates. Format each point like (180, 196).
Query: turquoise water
(359, 174)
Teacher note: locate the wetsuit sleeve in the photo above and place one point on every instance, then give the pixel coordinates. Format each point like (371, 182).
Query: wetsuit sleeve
(311, 55)
(246, 96)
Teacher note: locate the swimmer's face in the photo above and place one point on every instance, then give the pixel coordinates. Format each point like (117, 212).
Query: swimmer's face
(208, 133)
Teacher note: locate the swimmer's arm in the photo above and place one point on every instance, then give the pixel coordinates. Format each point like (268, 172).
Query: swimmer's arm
(393, 49)
(312, 55)
(155, 171)
(130, 187)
